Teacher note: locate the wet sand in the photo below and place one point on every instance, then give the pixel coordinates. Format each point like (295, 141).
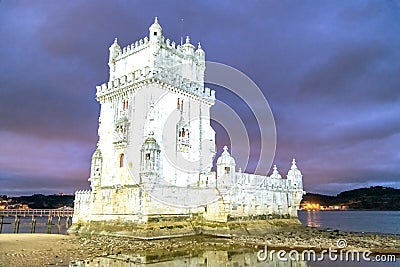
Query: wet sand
(36, 249)
(58, 250)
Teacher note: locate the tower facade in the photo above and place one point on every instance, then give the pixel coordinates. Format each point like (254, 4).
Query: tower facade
(154, 119)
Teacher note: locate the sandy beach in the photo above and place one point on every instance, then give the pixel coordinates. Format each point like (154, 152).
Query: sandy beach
(58, 250)
(36, 249)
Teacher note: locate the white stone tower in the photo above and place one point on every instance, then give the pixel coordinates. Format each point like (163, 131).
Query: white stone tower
(154, 87)
(154, 131)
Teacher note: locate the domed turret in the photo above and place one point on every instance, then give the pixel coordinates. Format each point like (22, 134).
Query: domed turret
(115, 49)
(294, 171)
(200, 54)
(225, 158)
(275, 173)
(150, 143)
(155, 31)
(188, 48)
(226, 168)
(295, 177)
(150, 156)
(96, 170)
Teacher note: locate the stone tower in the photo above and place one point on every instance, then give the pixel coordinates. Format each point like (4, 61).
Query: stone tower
(155, 134)
(154, 87)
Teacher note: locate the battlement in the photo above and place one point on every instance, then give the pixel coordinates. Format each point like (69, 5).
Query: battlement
(83, 192)
(171, 46)
(133, 48)
(157, 54)
(173, 79)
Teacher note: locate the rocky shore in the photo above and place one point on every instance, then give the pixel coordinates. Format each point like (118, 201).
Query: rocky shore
(42, 249)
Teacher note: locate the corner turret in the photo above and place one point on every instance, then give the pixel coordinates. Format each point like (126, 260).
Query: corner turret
(200, 54)
(295, 176)
(96, 170)
(155, 32)
(115, 50)
(275, 173)
(226, 168)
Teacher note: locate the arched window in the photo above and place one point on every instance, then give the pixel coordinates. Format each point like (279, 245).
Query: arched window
(121, 160)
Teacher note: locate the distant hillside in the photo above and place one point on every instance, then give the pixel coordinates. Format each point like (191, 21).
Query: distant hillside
(39, 201)
(373, 198)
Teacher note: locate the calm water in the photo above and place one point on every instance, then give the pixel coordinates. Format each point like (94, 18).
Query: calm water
(41, 225)
(216, 258)
(387, 222)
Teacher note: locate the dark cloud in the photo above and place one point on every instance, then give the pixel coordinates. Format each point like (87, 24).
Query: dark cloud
(328, 69)
(352, 74)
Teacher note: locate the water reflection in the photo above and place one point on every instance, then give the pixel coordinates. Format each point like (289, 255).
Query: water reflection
(313, 218)
(196, 259)
(40, 227)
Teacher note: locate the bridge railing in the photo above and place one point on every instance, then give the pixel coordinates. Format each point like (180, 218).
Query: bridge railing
(37, 212)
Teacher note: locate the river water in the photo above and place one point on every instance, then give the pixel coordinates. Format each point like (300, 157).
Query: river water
(387, 222)
(25, 225)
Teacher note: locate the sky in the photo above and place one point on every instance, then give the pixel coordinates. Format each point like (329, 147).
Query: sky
(330, 71)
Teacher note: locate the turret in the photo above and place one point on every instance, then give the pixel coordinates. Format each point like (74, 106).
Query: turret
(275, 173)
(155, 32)
(188, 48)
(295, 177)
(150, 156)
(295, 182)
(200, 54)
(226, 169)
(115, 49)
(96, 169)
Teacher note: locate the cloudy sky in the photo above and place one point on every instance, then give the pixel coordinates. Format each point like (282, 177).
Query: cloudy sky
(330, 71)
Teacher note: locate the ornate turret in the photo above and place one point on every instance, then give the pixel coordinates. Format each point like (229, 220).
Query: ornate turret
(226, 167)
(155, 32)
(295, 176)
(96, 170)
(200, 54)
(188, 48)
(275, 173)
(150, 156)
(115, 49)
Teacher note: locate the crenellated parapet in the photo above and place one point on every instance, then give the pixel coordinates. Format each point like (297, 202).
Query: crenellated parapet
(156, 54)
(178, 82)
(133, 48)
(83, 194)
(181, 51)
